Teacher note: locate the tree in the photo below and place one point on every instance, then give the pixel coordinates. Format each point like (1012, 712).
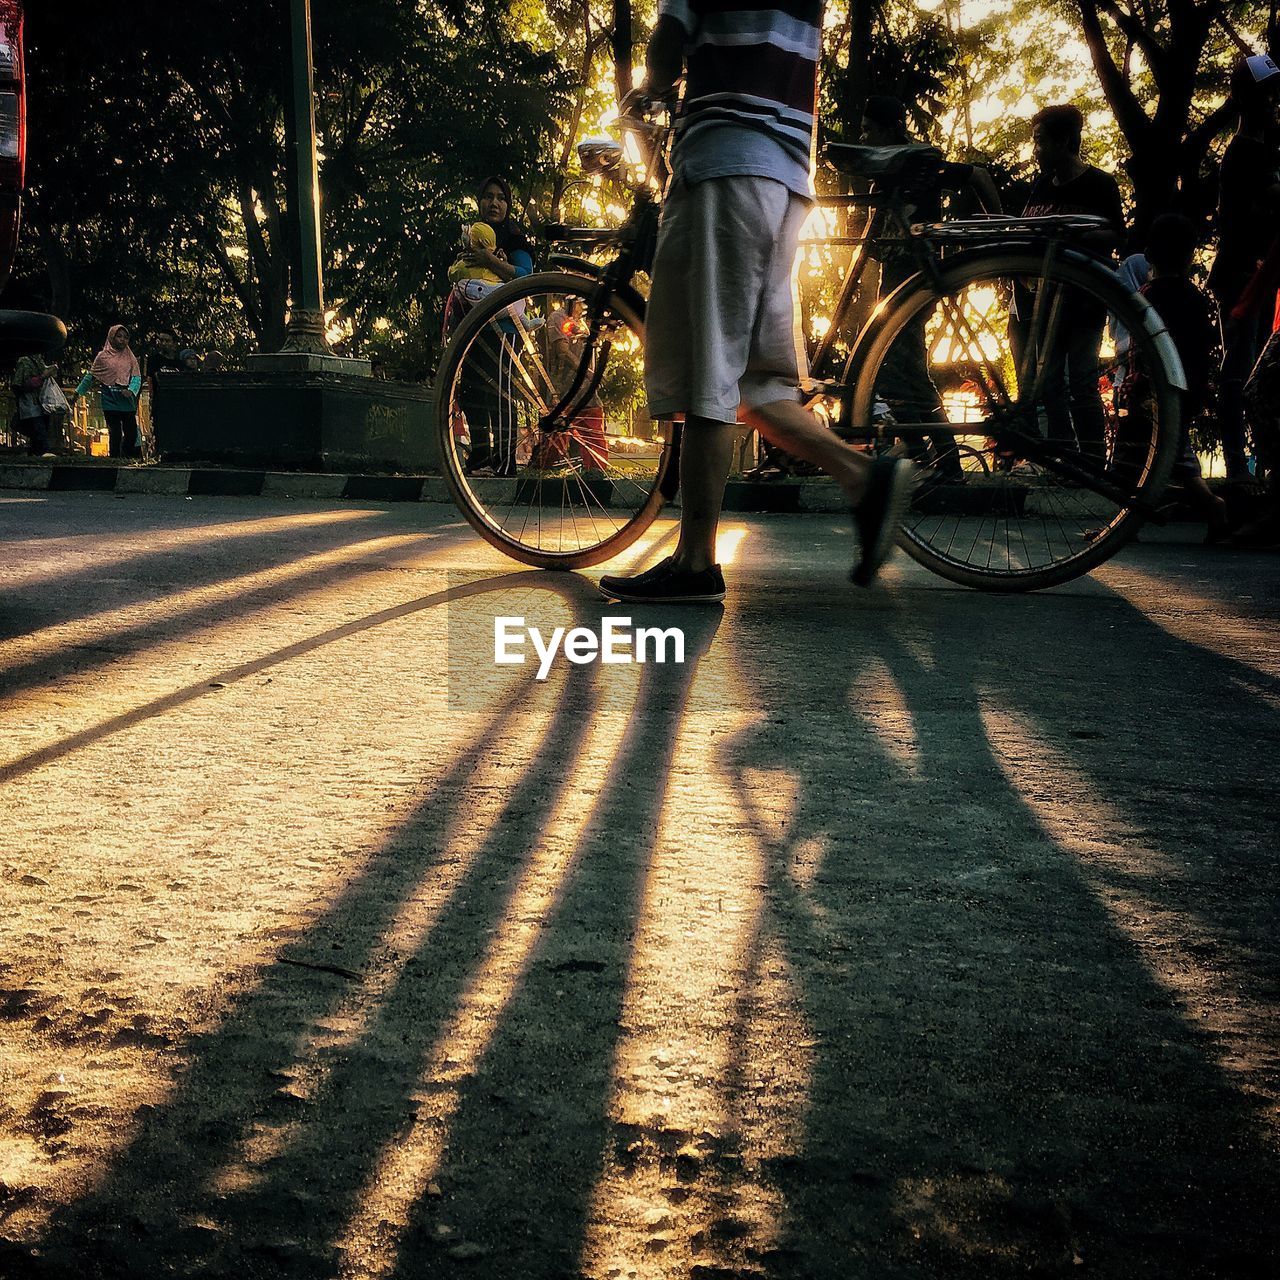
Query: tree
(887, 47)
(1155, 60)
(157, 154)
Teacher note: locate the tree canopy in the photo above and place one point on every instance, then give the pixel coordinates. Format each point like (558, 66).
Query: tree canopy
(157, 187)
(156, 151)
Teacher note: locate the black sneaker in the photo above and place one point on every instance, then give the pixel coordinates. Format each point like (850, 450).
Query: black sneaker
(665, 584)
(877, 517)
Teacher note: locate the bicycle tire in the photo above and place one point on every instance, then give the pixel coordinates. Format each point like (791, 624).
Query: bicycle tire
(1087, 549)
(590, 525)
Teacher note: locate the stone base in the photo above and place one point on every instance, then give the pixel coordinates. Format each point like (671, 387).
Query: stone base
(306, 362)
(294, 420)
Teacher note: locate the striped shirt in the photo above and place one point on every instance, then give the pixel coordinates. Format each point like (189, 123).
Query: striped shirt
(752, 63)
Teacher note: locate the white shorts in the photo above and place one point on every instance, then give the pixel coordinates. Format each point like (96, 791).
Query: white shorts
(721, 327)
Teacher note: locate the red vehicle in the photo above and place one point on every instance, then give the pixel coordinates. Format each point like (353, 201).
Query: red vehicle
(20, 331)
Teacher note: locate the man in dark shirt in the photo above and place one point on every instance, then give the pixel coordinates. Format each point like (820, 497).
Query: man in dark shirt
(162, 357)
(1248, 201)
(1188, 315)
(1067, 185)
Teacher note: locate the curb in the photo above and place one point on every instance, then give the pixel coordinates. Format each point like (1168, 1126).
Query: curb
(788, 496)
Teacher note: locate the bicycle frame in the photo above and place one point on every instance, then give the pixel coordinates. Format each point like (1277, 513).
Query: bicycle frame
(889, 224)
(985, 237)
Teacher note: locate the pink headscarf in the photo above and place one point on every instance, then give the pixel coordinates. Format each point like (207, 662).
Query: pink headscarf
(112, 368)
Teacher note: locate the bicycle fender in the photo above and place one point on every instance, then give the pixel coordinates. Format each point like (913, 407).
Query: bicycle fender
(1151, 321)
(573, 262)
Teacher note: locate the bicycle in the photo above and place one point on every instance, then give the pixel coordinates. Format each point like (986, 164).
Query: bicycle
(1011, 499)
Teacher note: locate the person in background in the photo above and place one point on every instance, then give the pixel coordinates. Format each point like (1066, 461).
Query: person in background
(905, 384)
(116, 374)
(214, 362)
(492, 431)
(189, 360)
(1261, 400)
(1066, 185)
(29, 377)
(1188, 314)
(162, 357)
(1262, 407)
(566, 332)
(1134, 272)
(1248, 205)
(513, 255)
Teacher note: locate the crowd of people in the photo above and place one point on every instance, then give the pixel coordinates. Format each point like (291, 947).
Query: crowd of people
(43, 411)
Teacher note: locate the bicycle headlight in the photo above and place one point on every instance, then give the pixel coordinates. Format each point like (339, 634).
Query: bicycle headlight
(601, 156)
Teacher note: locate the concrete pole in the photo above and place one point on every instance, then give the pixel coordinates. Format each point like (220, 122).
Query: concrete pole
(306, 320)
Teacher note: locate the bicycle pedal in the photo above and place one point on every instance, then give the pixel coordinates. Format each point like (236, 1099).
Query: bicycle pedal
(823, 387)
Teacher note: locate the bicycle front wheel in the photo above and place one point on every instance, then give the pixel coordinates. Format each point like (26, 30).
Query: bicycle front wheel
(545, 437)
(1004, 383)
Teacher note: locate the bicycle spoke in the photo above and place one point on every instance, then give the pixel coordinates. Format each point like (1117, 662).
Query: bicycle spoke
(545, 394)
(1055, 486)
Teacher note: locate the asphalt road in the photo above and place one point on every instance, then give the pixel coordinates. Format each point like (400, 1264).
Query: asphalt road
(907, 932)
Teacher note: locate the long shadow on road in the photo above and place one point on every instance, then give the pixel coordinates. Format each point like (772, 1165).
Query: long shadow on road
(1010, 1072)
(277, 1140)
(996, 941)
(296, 574)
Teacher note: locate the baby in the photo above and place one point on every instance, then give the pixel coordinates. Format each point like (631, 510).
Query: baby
(469, 266)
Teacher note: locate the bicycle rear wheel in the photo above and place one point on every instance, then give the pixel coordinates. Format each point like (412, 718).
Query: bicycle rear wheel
(1001, 383)
(545, 438)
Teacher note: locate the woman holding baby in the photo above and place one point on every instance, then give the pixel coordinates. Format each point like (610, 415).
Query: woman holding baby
(493, 251)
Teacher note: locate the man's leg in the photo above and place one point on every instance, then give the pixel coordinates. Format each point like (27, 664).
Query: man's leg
(1055, 395)
(790, 427)
(1087, 414)
(699, 334)
(706, 449)
(879, 490)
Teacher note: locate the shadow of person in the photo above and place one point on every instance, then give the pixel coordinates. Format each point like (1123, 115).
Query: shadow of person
(314, 1104)
(996, 1078)
(528, 1143)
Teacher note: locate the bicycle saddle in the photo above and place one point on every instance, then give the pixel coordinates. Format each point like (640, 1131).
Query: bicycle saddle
(880, 162)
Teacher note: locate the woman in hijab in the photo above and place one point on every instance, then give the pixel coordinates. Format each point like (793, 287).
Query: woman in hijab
(512, 257)
(480, 395)
(116, 374)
